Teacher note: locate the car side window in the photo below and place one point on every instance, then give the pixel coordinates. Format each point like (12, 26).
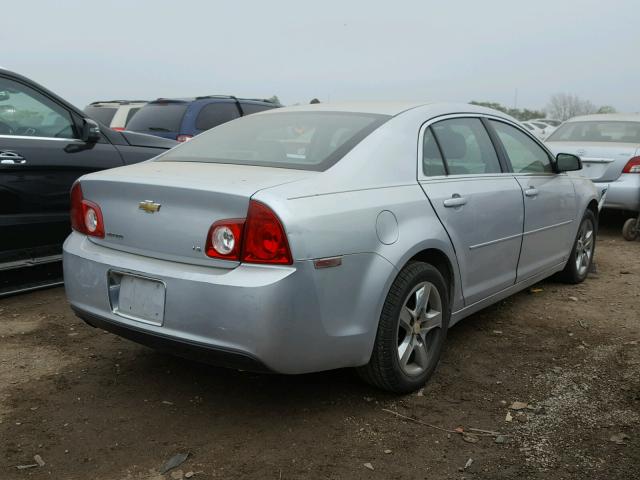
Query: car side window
(26, 112)
(466, 146)
(432, 163)
(216, 114)
(526, 156)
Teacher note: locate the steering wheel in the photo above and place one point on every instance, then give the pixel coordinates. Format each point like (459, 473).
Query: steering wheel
(5, 128)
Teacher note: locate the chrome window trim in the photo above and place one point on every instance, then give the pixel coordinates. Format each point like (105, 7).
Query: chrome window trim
(464, 177)
(28, 137)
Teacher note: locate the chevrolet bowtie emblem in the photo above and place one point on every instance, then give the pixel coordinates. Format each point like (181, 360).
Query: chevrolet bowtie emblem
(149, 206)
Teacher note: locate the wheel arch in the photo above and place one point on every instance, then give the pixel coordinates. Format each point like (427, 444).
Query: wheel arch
(593, 206)
(441, 261)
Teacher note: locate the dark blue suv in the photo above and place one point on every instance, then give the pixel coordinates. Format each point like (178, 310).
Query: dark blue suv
(182, 118)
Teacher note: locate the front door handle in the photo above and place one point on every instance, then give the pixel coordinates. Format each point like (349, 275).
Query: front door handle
(455, 201)
(531, 192)
(11, 158)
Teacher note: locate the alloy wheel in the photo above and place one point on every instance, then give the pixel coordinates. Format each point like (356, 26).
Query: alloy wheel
(584, 247)
(420, 321)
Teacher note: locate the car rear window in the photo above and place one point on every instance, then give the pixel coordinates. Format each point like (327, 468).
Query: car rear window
(300, 140)
(216, 114)
(595, 131)
(103, 115)
(158, 117)
(249, 108)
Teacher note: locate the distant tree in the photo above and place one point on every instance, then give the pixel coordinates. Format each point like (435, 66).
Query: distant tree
(606, 109)
(520, 114)
(565, 105)
(314, 101)
(274, 99)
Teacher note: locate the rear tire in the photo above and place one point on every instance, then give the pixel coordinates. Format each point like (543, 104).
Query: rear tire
(584, 247)
(629, 231)
(411, 332)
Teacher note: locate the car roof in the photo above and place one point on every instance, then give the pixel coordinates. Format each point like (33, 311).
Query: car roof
(391, 108)
(607, 117)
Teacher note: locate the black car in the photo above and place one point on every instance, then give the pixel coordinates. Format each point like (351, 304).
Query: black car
(45, 145)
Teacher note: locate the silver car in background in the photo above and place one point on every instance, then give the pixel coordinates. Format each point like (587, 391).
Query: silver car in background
(326, 236)
(609, 147)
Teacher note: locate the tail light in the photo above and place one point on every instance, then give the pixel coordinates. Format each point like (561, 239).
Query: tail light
(258, 239)
(86, 216)
(117, 129)
(184, 138)
(632, 166)
(265, 240)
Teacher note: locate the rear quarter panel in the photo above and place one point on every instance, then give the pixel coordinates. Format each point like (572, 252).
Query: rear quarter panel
(337, 212)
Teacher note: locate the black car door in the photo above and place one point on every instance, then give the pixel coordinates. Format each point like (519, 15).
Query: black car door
(41, 155)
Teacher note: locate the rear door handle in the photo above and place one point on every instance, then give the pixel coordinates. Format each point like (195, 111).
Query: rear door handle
(455, 201)
(11, 158)
(531, 192)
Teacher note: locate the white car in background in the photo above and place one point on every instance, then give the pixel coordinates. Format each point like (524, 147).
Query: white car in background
(544, 127)
(535, 130)
(609, 147)
(548, 121)
(115, 114)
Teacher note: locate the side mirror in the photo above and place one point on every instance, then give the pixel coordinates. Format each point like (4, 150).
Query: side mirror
(566, 162)
(90, 131)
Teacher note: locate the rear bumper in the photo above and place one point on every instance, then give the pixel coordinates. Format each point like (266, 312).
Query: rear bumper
(184, 348)
(286, 319)
(623, 193)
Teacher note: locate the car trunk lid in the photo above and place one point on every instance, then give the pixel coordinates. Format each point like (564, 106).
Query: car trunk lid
(602, 161)
(164, 209)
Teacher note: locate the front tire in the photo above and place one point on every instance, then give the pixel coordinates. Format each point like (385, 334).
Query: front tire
(584, 246)
(411, 332)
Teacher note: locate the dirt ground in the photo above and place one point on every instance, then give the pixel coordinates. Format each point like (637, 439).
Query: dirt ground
(94, 406)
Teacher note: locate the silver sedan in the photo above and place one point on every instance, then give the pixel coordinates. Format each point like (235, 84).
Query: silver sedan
(609, 147)
(319, 237)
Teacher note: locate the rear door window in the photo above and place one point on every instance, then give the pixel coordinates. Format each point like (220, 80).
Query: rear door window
(466, 146)
(432, 163)
(159, 117)
(216, 114)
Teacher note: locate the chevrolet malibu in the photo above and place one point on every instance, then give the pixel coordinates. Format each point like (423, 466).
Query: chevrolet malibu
(318, 237)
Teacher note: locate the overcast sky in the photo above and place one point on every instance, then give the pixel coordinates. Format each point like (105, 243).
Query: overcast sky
(334, 50)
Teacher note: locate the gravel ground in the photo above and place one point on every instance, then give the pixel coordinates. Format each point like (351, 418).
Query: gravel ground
(94, 406)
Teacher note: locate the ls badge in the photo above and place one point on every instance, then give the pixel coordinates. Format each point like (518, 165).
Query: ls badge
(149, 206)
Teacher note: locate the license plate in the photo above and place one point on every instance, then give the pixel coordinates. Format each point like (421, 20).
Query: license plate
(137, 298)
